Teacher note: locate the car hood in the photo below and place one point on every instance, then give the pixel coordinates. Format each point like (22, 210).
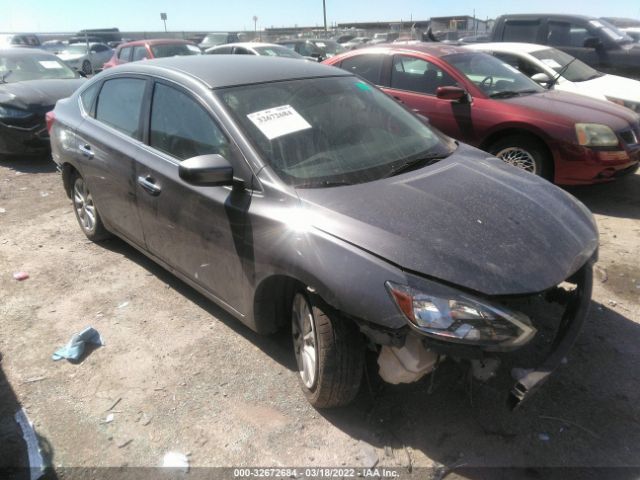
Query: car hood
(37, 93)
(576, 108)
(613, 86)
(469, 220)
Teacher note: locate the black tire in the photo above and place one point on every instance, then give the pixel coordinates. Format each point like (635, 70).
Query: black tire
(95, 230)
(340, 357)
(542, 161)
(87, 69)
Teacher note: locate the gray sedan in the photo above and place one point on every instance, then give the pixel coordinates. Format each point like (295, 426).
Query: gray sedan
(297, 195)
(253, 48)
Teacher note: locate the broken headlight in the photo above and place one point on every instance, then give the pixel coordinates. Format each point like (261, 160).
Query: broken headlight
(461, 318)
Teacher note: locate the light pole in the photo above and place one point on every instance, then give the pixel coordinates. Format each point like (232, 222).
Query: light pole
(163, 17)
(255, 26)
(324, 11)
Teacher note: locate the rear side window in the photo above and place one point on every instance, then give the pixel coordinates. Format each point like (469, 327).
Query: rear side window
(119, 104)
(368, 67)
(418, 75)
(139, 53)
(125, 54)
(521, 30)
(221, 51)
(181, 127)
(87, 98)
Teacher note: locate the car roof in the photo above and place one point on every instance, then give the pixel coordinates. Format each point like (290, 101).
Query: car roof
(245, 44)
(156, 41)
(527, 16)
(218, 71)
(433, 49)
(507, 47)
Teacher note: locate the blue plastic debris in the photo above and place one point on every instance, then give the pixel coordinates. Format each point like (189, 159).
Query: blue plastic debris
(75, 348)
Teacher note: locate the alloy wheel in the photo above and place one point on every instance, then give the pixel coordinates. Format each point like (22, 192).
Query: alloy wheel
(83, 203)
(304, 340)
(518, 157)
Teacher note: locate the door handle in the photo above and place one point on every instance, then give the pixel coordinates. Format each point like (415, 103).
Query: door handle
(149, 185)
(86, 151)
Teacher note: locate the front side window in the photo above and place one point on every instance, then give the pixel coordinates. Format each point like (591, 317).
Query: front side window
(325, 131)
(494, 77)
(119, 104)
(418, 75)
(139, 53)
(565, 34)
(181, 128)
(367, 66)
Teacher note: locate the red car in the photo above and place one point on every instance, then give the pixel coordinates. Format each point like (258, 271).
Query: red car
(567, 138)
(148, 49)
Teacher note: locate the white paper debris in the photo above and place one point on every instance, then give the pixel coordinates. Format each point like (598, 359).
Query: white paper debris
(278, 121)
(176, 460)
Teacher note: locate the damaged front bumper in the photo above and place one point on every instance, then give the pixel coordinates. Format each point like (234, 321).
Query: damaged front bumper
(557, 315)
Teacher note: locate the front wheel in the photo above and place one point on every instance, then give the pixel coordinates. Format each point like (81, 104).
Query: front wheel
(329, 353)
(86, 212)
(525, 153)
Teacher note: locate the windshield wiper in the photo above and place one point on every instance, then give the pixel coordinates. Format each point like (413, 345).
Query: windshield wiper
(511, 93)
(413, 163)
(324, 184)
(561, 72)
(2, 79)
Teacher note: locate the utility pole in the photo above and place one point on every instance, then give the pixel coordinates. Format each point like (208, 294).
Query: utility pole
(324, 11)
(255, 26)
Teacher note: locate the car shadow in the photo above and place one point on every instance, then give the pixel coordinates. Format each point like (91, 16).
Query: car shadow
(29, 164)
(14, 454)
(619, 198)
(278, 345)
(586, 415)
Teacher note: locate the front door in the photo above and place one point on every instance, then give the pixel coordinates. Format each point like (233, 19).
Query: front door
(197, 230)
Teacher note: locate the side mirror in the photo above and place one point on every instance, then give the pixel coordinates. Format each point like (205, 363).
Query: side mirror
(592, 42)
(541, 78)
(210, 170)
(452, 93)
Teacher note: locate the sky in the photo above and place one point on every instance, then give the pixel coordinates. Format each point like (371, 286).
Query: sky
(144, 15)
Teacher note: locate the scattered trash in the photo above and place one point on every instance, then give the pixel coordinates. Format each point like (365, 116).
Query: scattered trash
(114, 404)
(544, 437)
(613, 303)
(109, 418)
(36, 464)
(44, 194)
(20, 276)
(123, 304)
(146, 420)
(564, 361)
(2, 210)
(602, 274)
(75, 348)
(124, 443)
(368, 455)
(176, 460)
(34, 380)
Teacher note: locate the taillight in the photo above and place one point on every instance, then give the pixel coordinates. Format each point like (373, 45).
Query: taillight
(50, 117)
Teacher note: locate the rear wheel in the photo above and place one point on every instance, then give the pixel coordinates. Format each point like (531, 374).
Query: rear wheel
(329, 352)
(87, 69)
(524, 152)
(86, 212)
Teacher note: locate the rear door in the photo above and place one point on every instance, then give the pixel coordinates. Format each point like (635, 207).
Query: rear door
(199, 231)
(570, 37)
(109, 139)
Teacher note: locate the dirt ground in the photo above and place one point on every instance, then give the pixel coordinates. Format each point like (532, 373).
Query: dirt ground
(181, 375)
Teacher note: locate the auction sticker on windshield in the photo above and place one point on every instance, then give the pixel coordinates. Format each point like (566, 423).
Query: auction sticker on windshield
(279, 121)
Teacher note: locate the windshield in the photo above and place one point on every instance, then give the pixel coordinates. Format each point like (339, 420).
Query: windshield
(611, 31)
(276, 51)
(491, 75)
(558, 60)
(330, 47)
(215, 39)
(33, 67)
(327, 131)
(171, 50)
(76, 49)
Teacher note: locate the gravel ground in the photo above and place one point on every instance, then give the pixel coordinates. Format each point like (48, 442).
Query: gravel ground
(179, 374)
